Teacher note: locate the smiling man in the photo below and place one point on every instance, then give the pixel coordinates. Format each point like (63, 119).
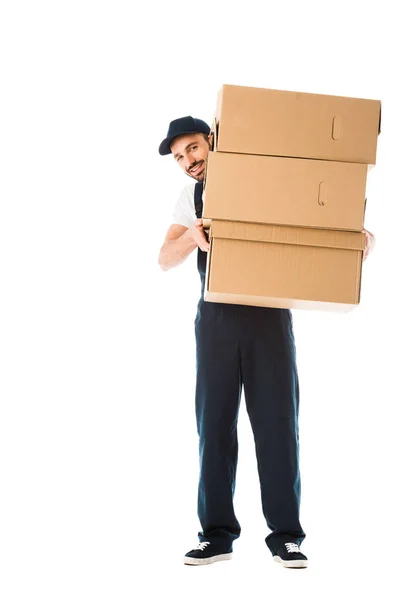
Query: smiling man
(236, 347)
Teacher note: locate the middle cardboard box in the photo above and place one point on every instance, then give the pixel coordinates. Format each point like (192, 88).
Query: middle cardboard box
(285, 191)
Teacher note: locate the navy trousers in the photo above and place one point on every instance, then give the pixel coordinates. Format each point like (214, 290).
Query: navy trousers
(251, 348)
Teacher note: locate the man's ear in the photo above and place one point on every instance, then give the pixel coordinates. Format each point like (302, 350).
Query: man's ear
(211, 140)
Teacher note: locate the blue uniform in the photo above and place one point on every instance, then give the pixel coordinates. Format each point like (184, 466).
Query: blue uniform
(251, 347)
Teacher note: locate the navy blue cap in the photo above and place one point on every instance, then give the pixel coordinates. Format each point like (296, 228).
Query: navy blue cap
(180, 127)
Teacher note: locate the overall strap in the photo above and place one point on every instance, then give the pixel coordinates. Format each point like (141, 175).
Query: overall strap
(198, 200)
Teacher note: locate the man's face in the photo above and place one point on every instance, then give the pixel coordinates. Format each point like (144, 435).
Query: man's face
(190, 152)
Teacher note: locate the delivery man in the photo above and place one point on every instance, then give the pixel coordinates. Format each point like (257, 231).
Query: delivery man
(236, 346)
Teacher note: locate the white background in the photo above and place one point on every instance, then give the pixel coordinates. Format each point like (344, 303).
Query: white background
(98, 444)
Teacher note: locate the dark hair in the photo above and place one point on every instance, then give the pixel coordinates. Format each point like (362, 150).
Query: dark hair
(206, 137)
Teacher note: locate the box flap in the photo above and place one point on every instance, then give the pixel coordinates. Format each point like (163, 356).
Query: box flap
(281, 234)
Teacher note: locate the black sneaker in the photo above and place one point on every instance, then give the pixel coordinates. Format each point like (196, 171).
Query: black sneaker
(289, 555)
(205, 554)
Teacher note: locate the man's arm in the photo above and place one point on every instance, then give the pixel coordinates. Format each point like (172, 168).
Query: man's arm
(180, 242)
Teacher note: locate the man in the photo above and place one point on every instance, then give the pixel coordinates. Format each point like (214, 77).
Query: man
(236, 346)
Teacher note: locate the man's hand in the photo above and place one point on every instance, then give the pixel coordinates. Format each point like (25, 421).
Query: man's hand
(198, 235)
(370, 243)
(179, 242)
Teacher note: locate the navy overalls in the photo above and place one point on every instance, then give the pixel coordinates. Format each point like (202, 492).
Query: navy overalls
(251, 346)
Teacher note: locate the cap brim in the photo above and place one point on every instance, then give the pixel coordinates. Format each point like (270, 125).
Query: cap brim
(165, 146)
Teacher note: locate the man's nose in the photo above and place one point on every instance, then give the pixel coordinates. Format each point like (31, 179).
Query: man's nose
(190, 161)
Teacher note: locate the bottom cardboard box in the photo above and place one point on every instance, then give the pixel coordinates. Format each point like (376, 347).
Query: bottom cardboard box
(283, 266)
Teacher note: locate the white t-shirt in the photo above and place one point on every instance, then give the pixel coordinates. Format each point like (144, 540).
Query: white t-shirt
(184, 213)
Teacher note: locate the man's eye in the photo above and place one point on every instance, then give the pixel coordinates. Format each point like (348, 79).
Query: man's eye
(194, 147)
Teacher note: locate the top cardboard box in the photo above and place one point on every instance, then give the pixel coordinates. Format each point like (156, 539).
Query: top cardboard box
(278, 123)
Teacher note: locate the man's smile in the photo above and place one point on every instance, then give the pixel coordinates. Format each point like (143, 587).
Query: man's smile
(197, 168)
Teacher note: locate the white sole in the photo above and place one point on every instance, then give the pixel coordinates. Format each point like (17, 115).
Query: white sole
(206, 561)
(293, 564)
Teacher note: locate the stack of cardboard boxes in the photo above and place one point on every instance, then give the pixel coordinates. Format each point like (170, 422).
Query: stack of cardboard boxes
(284, 198)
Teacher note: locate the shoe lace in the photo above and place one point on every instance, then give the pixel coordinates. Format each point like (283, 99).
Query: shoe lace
(202, 545)
(290, 547)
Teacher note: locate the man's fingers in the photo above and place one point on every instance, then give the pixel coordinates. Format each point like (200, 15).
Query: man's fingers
(204, 245)
(202, 241)
(200, 236)
(369, 243)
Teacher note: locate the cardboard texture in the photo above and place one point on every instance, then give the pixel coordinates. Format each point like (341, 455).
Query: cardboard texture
(298, 192)
(284, 267)
(293, 124)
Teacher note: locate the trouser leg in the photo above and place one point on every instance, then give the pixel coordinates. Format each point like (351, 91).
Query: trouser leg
(268, 362)
(218, 390)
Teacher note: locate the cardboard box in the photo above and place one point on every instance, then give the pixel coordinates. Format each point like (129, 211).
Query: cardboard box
(284, 267)
(286, 191)
(279, 123)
